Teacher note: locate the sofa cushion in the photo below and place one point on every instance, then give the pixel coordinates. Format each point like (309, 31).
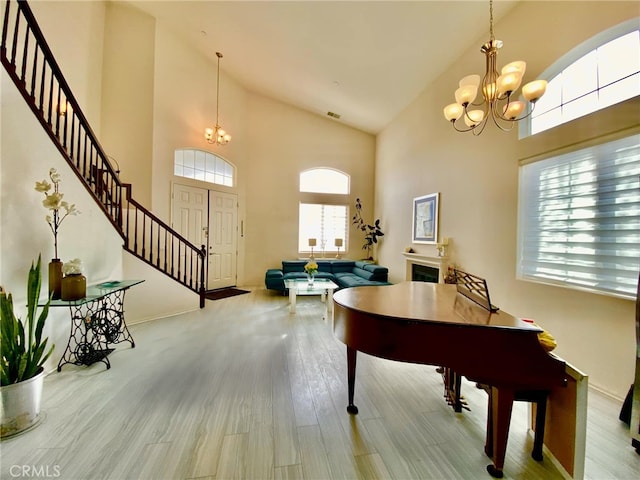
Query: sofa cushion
(346, 280)
(364, 273)
(290, 275)
(376, 269)
(274, 273)
(339, 266)
(324, 266)
(289, 266)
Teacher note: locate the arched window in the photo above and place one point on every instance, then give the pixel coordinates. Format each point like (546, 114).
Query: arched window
(597, 74)
(324, 198)
(204, 166)
(324, 180)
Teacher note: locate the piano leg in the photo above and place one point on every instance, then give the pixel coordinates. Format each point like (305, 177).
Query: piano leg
(538, 439)
(351, 378)
(488, 443)
(500, 404)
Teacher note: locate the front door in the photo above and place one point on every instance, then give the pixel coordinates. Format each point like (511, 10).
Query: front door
(209, 218)
(223, 239)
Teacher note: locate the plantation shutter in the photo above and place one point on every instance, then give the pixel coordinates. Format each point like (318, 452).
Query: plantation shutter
(579, 218)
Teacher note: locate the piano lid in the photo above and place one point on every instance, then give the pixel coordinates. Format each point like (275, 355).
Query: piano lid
(424, 301)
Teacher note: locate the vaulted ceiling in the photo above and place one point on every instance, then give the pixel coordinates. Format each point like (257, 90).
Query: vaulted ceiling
(363, 60)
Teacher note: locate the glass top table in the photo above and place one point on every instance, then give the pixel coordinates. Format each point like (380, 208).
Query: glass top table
(96, 292)
(320, 286)
(97, 323)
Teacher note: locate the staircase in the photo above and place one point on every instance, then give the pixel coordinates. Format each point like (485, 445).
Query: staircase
(29, 62)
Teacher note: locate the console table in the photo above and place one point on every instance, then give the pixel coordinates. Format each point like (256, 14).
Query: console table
(97, 322)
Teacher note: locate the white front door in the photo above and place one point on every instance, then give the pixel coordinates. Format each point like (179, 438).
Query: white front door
(223, 240)
(209, 218)
(189, 213)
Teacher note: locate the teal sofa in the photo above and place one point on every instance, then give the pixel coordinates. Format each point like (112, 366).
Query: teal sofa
(344, 273)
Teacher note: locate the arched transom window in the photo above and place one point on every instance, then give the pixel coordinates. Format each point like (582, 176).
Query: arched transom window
(204, 166)
(597, 74)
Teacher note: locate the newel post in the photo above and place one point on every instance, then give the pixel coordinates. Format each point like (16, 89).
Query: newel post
(203, 258)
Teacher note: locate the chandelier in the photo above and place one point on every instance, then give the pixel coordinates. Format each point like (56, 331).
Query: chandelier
(498, 100)
(216, 134)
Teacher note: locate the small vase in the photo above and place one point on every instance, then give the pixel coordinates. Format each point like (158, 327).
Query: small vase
(55, 278)
(310, 278)
(74, 287)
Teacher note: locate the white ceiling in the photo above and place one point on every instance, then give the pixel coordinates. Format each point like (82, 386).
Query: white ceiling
(364, 60)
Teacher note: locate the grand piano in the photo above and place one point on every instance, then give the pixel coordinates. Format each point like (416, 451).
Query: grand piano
(434, 324)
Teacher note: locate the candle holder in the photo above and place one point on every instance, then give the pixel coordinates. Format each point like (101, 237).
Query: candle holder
(442, 247)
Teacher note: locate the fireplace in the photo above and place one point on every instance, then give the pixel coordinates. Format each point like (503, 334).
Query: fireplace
(424, 273)
(423, 268)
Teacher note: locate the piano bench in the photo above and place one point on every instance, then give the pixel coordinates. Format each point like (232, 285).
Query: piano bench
(539, 397)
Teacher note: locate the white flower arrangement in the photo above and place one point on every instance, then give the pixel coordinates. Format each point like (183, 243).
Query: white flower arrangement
(72, 267)
(53, 202)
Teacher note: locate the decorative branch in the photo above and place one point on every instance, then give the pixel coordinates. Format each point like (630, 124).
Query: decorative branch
(372, 232)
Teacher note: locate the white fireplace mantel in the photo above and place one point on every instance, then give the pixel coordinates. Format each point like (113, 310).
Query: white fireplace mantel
(441, 263)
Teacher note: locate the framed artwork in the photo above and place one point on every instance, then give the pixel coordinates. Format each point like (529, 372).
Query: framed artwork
(425, 218)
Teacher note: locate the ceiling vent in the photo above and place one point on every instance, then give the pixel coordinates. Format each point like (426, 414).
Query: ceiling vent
(333, 115)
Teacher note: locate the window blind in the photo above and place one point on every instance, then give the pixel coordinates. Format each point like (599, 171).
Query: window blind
(579, 218)
(325, 223)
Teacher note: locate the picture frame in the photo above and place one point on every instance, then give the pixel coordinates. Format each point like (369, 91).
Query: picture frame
(425, 218)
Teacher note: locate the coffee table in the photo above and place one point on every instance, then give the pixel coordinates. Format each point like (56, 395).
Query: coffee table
(320, 286)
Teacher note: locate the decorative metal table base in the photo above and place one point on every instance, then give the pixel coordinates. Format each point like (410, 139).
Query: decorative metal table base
(97, 323)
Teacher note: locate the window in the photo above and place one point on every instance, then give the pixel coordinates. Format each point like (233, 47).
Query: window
(323, 212)
(324, 180)
(325, 223)
(580, 218)
(204, 166)
(591, 79)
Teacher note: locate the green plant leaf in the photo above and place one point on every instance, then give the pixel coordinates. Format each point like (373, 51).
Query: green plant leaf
(44, 313)
(22, 366)
(33, 292)
(21, 344)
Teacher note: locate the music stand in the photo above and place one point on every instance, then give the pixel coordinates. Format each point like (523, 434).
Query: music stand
(474, 288)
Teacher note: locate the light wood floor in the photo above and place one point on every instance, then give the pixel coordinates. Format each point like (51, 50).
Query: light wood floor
(243, 389)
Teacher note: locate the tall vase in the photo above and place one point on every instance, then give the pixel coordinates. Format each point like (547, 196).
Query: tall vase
(74, 287)
(55, 278)
(310, 278)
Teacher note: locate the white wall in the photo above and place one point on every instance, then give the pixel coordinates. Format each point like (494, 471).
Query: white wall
(27, 154)
(477, 177)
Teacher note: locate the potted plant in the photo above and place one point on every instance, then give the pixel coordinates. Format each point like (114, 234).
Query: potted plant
(372, 232)
(24, 353)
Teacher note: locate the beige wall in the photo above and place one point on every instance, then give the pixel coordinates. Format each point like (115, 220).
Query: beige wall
(283, 142)
(417, 154)
(477, 177)
(272, 143)
(127, 95)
